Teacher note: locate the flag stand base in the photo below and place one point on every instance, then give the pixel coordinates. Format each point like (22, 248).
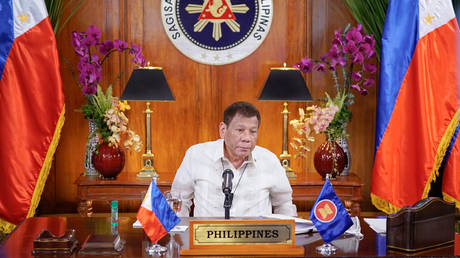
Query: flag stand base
(326, 249)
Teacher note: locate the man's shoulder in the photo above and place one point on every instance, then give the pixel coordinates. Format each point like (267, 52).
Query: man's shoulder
(205, 147)
(264, 152)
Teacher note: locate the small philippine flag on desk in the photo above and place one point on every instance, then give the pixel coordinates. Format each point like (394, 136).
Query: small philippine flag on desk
(155, 214)
(329, 215)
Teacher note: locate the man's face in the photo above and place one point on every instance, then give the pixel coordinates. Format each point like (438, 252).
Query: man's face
(240, 135)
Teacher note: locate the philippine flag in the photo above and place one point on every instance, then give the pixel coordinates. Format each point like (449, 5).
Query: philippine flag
(450, 170)
(329, 215)
(155, 214)
(32, 107)
(418, 101)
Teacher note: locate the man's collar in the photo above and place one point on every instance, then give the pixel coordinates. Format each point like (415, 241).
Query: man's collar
(219, 154)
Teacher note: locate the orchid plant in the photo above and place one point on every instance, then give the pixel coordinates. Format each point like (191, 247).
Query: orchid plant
(108, 113)
(346, 60)
(104, 109)
(93, 54)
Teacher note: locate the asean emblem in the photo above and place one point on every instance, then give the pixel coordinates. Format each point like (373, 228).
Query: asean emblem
(217, 32)
(325, 211)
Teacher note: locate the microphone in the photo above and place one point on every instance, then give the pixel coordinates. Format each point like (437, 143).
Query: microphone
(227, 178)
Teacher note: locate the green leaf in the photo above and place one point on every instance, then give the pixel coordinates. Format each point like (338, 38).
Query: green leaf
(56, 9)
(371, 14)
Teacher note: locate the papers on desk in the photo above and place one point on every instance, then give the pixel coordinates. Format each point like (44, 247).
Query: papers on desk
(137, 224)
(379, 225)
(301, 225)
(177, 228)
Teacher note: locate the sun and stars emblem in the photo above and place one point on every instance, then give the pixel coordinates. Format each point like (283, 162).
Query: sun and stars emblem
(216, 12)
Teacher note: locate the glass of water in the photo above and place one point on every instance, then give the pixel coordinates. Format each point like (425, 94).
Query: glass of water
(174, 200)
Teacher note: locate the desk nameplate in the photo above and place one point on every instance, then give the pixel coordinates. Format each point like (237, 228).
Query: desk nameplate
(242, 234)
(242, 237)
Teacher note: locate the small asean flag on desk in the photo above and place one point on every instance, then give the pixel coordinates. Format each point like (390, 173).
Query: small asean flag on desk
(155, 214)
(329, 215)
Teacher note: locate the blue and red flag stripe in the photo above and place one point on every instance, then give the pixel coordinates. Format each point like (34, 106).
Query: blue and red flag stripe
(417, 102)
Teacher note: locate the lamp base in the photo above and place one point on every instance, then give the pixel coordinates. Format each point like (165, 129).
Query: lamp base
(144, 174)
(290, 173)
(286, 165)
(148, 170)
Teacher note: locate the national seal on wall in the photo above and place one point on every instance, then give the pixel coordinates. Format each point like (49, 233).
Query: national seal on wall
(217, 32)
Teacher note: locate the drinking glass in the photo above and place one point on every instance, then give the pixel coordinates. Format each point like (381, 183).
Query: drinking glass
(175, 202)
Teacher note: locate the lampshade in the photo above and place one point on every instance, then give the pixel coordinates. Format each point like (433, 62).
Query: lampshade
(147, 84)
(286, 84)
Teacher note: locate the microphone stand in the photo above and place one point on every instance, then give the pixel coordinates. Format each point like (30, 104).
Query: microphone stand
(228, 204)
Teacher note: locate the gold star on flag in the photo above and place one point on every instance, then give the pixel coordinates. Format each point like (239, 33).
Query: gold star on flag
(24, 17)
(429, 19)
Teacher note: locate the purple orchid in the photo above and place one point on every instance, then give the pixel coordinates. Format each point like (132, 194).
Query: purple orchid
(354, 34)
(368, 82)
(356, 87)
(105, 47)
(306, 65)
(320, 67)
(356, 76)
(370, 68)
(347, 61)
(358, 58)
(93, 35)
(350, 47)
(365, 48)
(369, 40)
(89, 90)
(120, 45)
(90, 66)
(79, 47)
(371, 54)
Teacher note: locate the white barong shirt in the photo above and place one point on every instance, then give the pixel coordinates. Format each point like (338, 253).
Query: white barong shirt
(263, 186)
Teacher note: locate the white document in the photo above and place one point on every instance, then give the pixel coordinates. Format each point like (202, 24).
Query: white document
(301, 225)
(137, 224)
(379, 225)
(177, 228)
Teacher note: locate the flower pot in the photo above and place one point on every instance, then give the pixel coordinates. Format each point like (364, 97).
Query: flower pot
(329, 159)
(108, 160)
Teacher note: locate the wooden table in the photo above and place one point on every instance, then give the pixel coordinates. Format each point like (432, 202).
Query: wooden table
(307, 186)
(127, 186)
(20, 242)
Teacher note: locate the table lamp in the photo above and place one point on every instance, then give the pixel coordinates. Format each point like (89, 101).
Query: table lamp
(285, 84)
(147, 84)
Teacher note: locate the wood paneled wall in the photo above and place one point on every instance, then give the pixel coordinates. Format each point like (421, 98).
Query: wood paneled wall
(299, 28)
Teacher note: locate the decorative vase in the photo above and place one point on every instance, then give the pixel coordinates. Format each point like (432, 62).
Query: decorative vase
(108, 160)
(342, 141)
(329, 159)
(91, 144)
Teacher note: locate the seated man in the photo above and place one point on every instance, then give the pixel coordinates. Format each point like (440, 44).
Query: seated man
(259, 184)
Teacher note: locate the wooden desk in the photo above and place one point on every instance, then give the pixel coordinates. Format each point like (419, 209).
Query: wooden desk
(20, 242)
(307, 186)
(127, 186)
